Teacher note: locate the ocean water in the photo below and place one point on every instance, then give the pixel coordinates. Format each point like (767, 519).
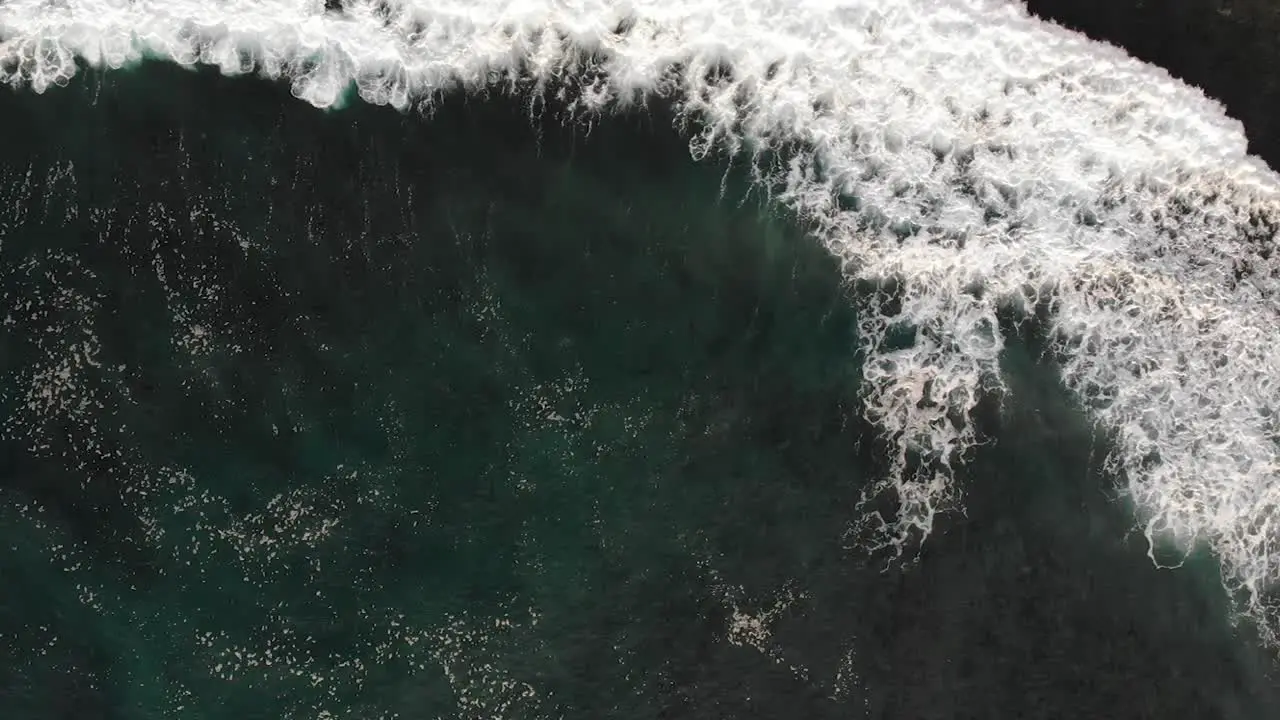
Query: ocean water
(512, 406)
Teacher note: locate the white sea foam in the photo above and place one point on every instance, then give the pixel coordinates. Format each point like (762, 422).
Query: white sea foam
(981, 149)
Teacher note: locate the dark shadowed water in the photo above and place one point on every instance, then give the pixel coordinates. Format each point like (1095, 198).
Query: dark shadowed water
(481, 417)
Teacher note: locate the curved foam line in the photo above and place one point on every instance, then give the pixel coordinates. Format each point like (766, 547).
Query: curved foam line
(979, 148)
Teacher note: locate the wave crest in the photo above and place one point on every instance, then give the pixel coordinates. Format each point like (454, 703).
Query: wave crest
(942, 146)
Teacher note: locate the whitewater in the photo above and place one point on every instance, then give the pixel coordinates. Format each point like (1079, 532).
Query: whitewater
(965, 161)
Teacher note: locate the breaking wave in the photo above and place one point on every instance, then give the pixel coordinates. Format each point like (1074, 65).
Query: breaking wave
(965, 161)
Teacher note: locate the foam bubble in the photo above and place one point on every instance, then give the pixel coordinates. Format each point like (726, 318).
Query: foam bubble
(965, 153)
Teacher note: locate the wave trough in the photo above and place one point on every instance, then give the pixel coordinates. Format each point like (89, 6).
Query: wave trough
(965, 160)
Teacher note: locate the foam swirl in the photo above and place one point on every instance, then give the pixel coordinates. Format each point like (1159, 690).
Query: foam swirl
(976, 159)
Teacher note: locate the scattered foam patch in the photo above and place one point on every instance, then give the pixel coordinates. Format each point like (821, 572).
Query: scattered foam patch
(960, 155)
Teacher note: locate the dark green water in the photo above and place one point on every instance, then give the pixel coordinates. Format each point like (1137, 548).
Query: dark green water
(480, 417)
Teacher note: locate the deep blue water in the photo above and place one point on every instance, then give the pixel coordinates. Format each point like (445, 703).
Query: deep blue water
(481, 416)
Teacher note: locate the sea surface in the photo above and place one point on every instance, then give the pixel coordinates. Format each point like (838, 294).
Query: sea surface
(362, 414)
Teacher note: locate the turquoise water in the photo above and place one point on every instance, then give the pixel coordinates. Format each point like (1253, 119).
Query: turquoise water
(479, 416)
